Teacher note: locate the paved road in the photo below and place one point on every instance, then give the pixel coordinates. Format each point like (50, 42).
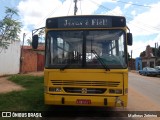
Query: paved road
(146, 87)
(144, 95)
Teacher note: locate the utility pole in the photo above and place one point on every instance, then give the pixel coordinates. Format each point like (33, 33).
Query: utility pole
(21, 54)
(156, 50)
(75, 7)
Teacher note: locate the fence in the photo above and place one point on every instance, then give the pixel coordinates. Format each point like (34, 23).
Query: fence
(10, 59)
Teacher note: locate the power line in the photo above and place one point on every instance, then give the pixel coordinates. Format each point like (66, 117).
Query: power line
(69, 8)
(108, 9)
(81, 7)
(132, 3)
(129, 18)
(53, 11)
(105, 8)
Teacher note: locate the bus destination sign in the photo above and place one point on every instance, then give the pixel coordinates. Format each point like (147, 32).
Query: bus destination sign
(85, 22)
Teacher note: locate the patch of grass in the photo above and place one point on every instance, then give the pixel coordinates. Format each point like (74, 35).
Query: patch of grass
(30, 99)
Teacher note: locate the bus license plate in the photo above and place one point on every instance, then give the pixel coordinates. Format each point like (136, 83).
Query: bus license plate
(83, 101)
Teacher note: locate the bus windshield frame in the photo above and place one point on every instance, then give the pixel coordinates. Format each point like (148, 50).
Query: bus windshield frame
(73, 49)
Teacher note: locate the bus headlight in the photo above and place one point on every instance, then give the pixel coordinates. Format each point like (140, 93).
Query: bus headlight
(55, 89)
(115, 91)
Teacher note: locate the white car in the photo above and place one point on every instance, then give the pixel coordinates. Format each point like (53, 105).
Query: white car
(157, 68)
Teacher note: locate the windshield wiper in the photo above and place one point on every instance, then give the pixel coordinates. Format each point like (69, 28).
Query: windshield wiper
(100, 60)
(64, 67)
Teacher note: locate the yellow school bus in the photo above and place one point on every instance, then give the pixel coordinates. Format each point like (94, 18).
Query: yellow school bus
(86, 62)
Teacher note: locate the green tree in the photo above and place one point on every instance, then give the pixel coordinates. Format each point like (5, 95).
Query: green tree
(9, 28)
(129, 57)
(156, 51)
(143, 54)
(41, 34)
(29, 41)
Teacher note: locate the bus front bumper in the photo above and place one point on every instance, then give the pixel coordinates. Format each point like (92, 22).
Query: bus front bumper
(108, 101)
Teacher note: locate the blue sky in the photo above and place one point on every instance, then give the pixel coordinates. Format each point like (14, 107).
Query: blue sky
(7, 3)
(141, 15)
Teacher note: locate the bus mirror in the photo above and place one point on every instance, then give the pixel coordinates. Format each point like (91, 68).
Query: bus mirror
(129, 39)
(35, 41)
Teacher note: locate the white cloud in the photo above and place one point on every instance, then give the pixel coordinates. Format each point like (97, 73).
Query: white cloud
(116, 11)
(28, 35)
(146, 23)
(133, 13)
(34, 12)
(127, 5)
(136, 49)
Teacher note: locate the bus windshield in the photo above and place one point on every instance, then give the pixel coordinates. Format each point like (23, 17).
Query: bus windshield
(74, 49)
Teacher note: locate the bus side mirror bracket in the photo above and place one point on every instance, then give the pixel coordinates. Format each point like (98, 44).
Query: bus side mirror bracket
(34, 41)
(129, 39)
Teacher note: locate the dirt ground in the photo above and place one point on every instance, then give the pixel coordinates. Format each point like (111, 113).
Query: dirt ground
(35, 73)
(8, 86)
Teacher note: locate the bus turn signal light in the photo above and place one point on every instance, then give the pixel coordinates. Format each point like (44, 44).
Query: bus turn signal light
(115, 91)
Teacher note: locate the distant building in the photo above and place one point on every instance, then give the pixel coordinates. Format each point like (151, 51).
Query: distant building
(149, 60)
(138, 63)
(32, 60)
(131, 64)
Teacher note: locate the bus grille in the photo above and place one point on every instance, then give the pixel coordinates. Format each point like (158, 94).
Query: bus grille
(85, 83)
(85, 90)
